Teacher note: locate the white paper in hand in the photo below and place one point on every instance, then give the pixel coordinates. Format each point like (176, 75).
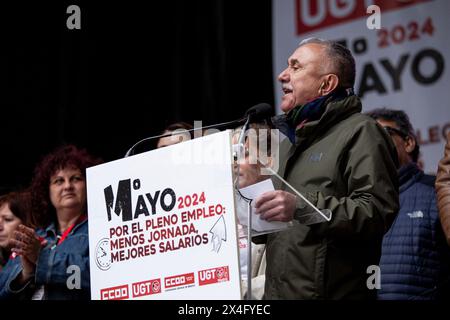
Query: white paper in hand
(252, 192)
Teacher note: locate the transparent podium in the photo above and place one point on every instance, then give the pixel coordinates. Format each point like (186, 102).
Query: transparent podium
(245, 198)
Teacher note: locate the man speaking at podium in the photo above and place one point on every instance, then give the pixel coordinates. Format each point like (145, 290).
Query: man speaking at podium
(340, 160)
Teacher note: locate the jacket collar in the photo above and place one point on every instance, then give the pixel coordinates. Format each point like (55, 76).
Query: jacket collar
(323, 110)
(52, 230)
(408, 175)
(335, 111)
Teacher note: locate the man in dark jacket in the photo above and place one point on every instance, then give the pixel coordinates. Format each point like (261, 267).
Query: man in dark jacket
(415, 257)
(339, 160)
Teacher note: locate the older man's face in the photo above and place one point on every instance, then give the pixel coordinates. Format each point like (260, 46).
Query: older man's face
(301, 80)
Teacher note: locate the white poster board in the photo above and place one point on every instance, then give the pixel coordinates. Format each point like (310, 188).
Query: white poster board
(403, 65)
(162, 224)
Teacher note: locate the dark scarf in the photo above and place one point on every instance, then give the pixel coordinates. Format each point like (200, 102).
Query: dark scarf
(313, 110)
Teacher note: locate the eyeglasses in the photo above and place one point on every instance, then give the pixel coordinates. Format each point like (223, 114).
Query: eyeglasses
(399, 132)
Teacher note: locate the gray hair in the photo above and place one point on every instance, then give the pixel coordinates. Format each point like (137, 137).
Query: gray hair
(341, 59)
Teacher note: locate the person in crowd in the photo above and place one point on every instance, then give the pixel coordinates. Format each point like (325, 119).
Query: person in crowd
(339, 160)
(414, 258)
(443, 190)
(53, 262)
(15, 208)
(251, 172)
(182, 134)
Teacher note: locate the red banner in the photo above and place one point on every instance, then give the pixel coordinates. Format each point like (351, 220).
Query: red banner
(316, 14)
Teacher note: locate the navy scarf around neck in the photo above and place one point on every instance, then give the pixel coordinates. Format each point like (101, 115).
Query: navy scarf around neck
(314, 109)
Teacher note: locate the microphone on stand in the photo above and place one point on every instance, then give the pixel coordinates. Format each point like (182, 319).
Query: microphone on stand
(259, 112)
(254, 114)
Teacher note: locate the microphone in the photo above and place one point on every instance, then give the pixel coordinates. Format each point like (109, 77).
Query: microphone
(256, 113)
(259, 112)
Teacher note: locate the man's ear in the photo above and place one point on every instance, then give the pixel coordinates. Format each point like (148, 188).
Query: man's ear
(410, 144)
(330, 82)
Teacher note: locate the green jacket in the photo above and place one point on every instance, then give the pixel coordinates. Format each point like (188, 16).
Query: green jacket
(347, 163)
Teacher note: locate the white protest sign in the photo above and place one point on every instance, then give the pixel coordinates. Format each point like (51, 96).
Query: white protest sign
(162, 224)
(403, 65)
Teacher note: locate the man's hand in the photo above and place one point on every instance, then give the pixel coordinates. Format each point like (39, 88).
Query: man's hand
(276, 206)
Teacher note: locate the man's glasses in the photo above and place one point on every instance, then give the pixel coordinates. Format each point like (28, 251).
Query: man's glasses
(399, 132)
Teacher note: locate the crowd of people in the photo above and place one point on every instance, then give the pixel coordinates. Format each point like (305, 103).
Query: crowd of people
(386, 212)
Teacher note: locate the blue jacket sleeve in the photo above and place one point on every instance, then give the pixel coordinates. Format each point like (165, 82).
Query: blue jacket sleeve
(66, 264)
